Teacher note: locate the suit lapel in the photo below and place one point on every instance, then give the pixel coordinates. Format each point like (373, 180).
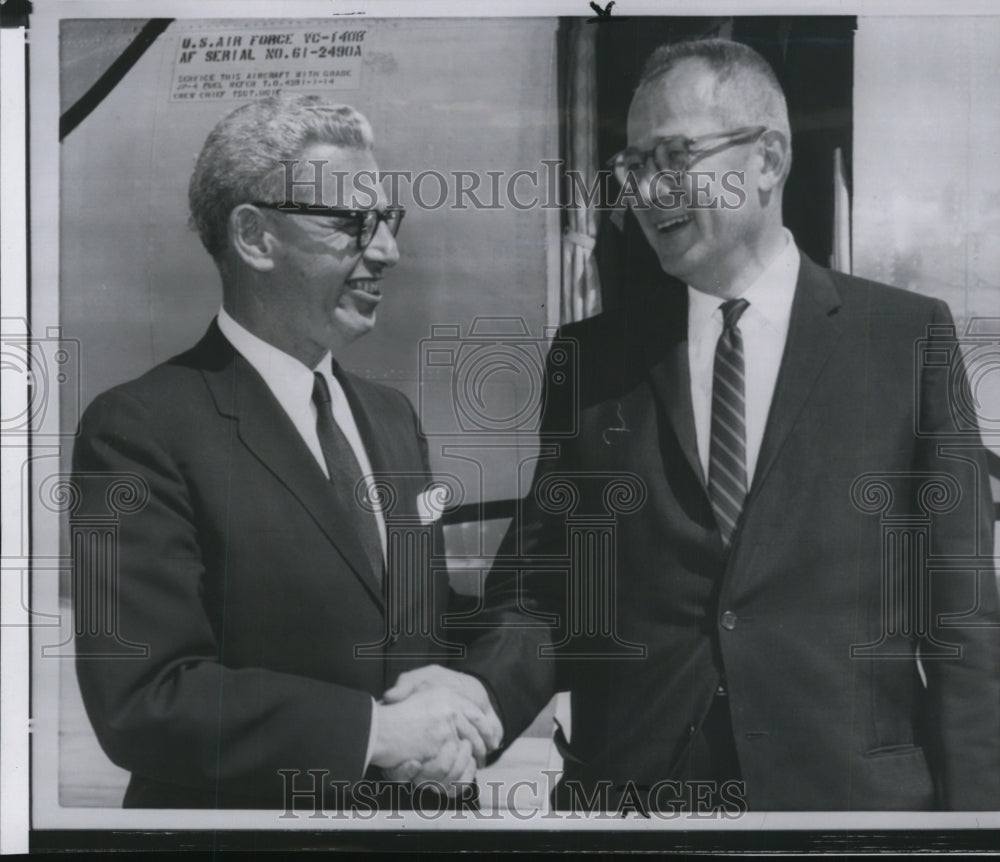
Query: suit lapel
(387, 449)
(265, 429)
(366, 419)
(665, 346)
(813, 332)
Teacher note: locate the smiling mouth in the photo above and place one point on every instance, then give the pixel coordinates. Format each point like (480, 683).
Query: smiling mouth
(671, 225)
(368, 286)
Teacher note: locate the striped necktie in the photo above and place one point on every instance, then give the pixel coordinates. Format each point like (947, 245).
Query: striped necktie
(345, 473)
(727, 461)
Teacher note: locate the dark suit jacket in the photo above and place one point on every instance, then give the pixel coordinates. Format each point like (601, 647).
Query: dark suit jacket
(816, 726)
(243, 577)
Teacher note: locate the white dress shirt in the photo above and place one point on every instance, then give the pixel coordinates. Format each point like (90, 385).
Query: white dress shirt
(764, 328)
(292, 383)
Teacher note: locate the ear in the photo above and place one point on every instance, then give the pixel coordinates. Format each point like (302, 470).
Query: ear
(253, 243)
(777, 160)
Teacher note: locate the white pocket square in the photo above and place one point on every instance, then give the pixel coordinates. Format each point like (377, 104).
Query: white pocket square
(431, 503)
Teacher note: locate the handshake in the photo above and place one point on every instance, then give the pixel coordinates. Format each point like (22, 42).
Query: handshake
(435, 725)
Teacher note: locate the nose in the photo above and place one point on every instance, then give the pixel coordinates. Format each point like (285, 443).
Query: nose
(382, 249)
(663, 189)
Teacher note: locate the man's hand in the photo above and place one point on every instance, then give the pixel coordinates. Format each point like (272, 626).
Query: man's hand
(461, 771)
(436, 734)
(436, 677)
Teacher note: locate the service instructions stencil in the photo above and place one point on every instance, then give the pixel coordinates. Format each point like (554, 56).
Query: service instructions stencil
(223, 65)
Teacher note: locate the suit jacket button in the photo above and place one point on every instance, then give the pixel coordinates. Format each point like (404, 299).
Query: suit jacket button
(728, 621)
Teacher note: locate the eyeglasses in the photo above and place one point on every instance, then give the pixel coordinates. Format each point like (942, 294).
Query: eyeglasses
(676, 154)
(365, 222)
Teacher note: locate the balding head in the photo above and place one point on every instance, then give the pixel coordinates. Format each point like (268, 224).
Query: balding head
(746, 91)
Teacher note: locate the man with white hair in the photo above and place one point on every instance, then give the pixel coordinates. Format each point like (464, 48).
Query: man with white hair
(780, 637)
(255, 576)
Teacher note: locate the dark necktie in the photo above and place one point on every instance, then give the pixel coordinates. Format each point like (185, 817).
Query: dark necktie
(727, 459)
(345, 473)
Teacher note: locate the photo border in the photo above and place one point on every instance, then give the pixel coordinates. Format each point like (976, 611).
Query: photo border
(132, 829)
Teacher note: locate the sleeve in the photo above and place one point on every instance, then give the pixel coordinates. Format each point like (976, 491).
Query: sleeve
(963, 692)
(523, 606)
(163, 702)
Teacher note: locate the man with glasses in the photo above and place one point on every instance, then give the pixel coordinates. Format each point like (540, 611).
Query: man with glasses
(254, 577)
(779, 637)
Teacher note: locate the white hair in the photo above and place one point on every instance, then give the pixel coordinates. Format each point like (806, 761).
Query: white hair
(241, 159)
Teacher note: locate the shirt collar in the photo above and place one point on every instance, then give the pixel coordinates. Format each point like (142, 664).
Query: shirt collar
(283, 374)
(770, 296)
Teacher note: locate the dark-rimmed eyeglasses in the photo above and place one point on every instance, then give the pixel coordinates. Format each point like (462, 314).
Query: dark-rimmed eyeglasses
(677, 153)
(365, 222)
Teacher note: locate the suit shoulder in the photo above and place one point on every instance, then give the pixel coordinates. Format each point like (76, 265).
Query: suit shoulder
(163, 387)
(600, 327)
(604, 355)
(601, 341)
(877, 297)
(380, 394)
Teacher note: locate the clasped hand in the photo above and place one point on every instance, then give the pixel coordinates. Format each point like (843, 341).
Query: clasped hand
(435, 725)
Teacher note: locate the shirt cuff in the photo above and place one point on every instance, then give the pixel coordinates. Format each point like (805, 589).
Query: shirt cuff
(372, 735)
